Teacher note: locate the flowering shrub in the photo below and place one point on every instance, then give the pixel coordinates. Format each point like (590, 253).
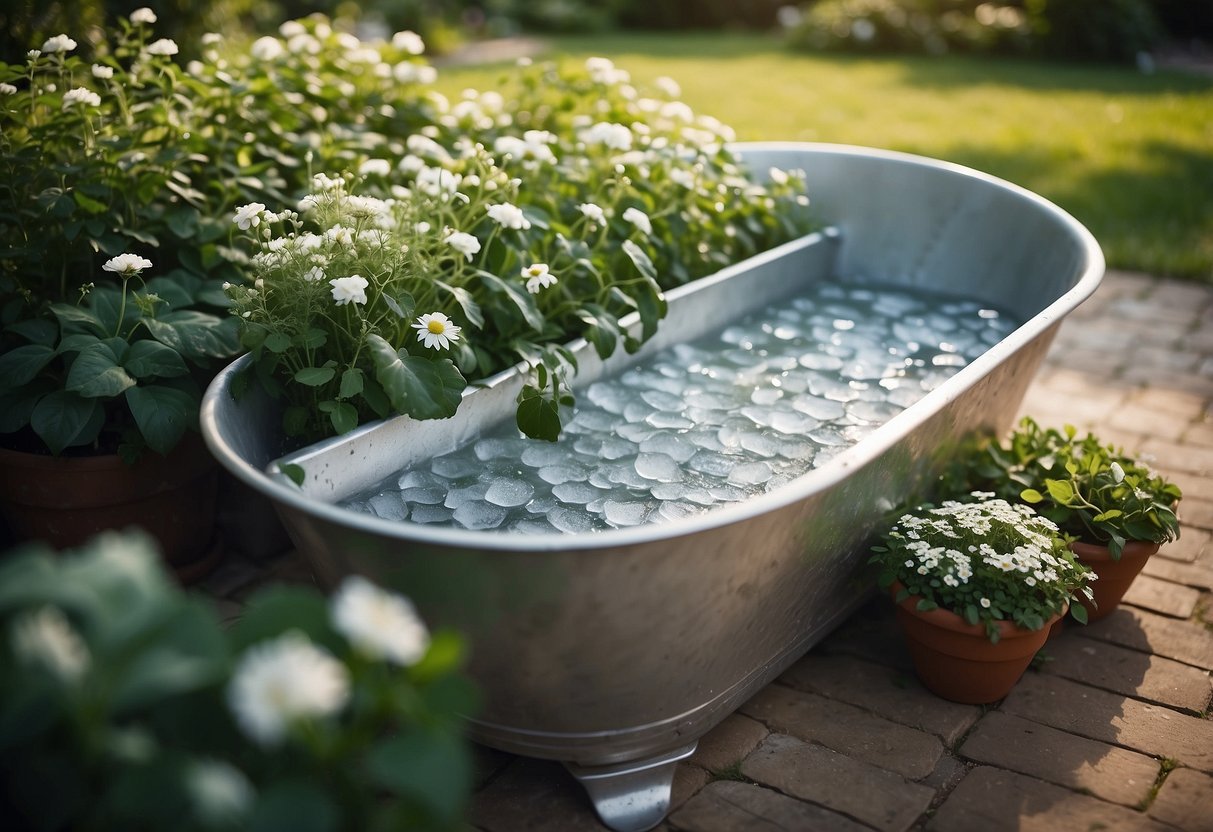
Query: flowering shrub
(100, 168)
(496, 238)
(1090, 490)
(985, 560)
(126, 705)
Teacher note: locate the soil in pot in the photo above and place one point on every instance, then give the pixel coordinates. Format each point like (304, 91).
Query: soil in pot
(66, 500)
(1115, 576)
(957, 661)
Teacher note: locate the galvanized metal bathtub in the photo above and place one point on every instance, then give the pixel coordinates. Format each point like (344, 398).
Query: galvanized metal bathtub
(615, 651)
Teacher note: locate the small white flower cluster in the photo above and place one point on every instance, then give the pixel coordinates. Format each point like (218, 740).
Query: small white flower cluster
(286, 680)
(1024, 539)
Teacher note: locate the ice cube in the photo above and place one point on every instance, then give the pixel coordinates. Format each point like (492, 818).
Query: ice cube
(430, 514)
(556, 474)
(750, 473)
(571, 521)
(454, 466)
(478, 514)
(620, 514)
(673, 446)
(508, 493)
(658, 467)
(576, 493)
(388, 506)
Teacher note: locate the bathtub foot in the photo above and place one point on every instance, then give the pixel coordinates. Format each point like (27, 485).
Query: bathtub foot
(633, 796)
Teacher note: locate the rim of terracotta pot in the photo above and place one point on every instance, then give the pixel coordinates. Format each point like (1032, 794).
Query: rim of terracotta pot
(1100, 551)
(949, 620)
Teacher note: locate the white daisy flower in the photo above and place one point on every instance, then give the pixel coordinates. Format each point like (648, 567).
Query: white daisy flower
(464, 243)
(7, 89)
(279, 682)
(538, 277)
(47, 638)
(164, 46)
(249, 216)
(81, 95)
(59, 43)
(985, 603)
(592, 212)
(639, 219)
(509, 216)
(380, 624)
(103, 72)
(143, 15)
(127, 264)
(436, 331)
(350, 289)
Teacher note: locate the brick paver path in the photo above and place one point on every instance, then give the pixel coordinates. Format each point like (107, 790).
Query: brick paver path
(1112, 732)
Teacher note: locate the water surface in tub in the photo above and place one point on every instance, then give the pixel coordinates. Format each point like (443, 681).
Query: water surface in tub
(706, 423)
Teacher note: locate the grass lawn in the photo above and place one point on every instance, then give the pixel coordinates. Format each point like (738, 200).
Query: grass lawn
(1130, 155)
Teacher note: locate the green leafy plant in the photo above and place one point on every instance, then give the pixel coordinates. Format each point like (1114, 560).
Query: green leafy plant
(1090, 490)
(985, 560)
(97, 161)
(127, 705)
(503, 230)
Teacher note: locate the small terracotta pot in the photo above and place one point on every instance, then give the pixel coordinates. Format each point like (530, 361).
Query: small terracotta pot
(64, 501)
(955, 659)
(1115, 576)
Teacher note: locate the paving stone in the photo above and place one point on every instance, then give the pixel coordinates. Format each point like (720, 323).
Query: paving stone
(847, 729)
(487, 763)
(1155, 378)
(1162, 596)
(1103, 770)
(1184, 641)
(1196, 575)
(1138, 417)
(728, 742)
(990, 798)
(1128, 672)
(688, 780)
(812, 772)
(948, 772)
(1197, 511)
(871, 633)
(1191, 545)
(1177, 402)
(1185, 800)
(535, 795)
(1199, 433)
(1111, 718)
(730, 806)
(1176, 456)
(1165, 357)
(892, 694)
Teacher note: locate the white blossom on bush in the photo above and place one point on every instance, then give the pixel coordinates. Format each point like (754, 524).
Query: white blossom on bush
(164, 46)
(592, 212)
(127, 264)
(143, 15)
(45, 637)
(380, 624)
(103, 72)
(608, 134)
(408, 42)
(464, 243)
(7, 89)
(639, 219)
(508, 216)
(350, 289)
(59, 43)
(538, 276)
(436, 331)
(81, 96)
(249, 216)
(267, 49)
(279, 682)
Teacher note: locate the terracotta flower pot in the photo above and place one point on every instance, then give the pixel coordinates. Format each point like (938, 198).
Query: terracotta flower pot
(955, 659)
(66, 500)
(1115, 576)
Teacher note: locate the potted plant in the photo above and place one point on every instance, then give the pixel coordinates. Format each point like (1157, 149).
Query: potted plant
(977, 585)
(127, 705)
(110, 303)
(1118, 510)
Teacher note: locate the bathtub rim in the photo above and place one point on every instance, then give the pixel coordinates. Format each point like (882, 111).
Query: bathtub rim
(818, 479)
